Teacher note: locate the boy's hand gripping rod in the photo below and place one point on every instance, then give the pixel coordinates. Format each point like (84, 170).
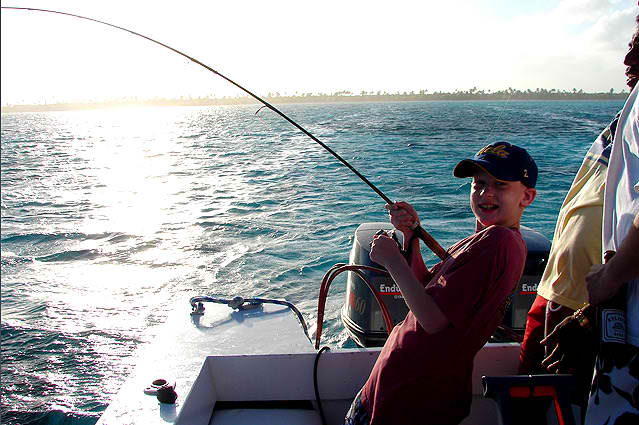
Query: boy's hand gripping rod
(421, 233)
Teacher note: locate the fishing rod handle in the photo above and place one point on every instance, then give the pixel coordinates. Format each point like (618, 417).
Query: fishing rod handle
(431, 242)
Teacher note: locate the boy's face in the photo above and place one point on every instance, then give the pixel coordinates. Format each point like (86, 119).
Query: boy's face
(496, 202)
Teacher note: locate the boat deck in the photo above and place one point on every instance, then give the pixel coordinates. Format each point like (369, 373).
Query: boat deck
(236, 366)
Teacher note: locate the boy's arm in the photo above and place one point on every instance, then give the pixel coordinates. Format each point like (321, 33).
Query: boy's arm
(430, 317)
(416, 261)
(404, 218)
(605, 280)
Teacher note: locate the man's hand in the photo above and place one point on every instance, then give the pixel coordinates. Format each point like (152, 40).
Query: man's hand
(573, 338)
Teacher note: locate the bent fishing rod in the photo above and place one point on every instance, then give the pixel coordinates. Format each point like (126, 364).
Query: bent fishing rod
(421, 233)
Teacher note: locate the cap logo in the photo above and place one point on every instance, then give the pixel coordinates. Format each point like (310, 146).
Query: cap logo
(499, 150)
(525, 173)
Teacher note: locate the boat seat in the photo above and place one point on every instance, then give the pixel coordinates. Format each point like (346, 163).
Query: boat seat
(265, 417)
(511, 390)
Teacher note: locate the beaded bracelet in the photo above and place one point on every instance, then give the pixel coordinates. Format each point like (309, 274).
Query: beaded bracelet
(582, 319)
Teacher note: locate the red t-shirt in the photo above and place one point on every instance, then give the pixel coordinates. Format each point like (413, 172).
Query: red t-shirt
(422, 378)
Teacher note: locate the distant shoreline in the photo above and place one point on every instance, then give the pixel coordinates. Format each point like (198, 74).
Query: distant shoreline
(342, 97)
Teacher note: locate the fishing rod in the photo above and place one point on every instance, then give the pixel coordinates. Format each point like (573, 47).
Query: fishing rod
(421, 233)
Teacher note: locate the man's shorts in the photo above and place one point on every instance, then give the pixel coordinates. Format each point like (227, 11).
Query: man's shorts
(615, 393)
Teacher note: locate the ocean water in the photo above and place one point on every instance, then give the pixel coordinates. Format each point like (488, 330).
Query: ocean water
(110, 217)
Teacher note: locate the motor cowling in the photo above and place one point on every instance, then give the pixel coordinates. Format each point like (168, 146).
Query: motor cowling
(362, 316)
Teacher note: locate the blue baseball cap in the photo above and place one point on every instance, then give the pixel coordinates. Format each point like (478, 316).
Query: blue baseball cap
(503, 161)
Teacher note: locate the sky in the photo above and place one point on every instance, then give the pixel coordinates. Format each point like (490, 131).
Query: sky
(297, 46)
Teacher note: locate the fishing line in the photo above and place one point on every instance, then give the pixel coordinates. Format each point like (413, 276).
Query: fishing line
(423, 235)
(490, 133)
(487, 141)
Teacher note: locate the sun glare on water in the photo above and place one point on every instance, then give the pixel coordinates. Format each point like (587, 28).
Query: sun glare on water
(134, 170)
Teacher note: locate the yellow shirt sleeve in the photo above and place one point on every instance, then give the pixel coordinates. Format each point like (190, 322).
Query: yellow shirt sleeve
(576, 243)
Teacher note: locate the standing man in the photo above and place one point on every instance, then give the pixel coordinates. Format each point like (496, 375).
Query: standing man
(615, 394)
(576, 247)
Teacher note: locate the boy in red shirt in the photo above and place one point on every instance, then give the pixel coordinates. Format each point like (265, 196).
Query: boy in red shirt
(423, 373)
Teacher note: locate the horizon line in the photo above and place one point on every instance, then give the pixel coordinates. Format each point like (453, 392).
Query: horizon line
(337, 97)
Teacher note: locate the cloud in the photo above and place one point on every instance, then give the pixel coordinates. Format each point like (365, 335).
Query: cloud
(612, 32)
(579, 43)
(573, 12)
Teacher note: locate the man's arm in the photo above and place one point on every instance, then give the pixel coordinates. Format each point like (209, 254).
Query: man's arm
(605, 280)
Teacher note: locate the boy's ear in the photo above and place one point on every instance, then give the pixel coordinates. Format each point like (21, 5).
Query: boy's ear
(528, 197)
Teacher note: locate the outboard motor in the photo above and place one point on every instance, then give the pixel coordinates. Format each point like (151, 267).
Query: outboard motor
(362, 316)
